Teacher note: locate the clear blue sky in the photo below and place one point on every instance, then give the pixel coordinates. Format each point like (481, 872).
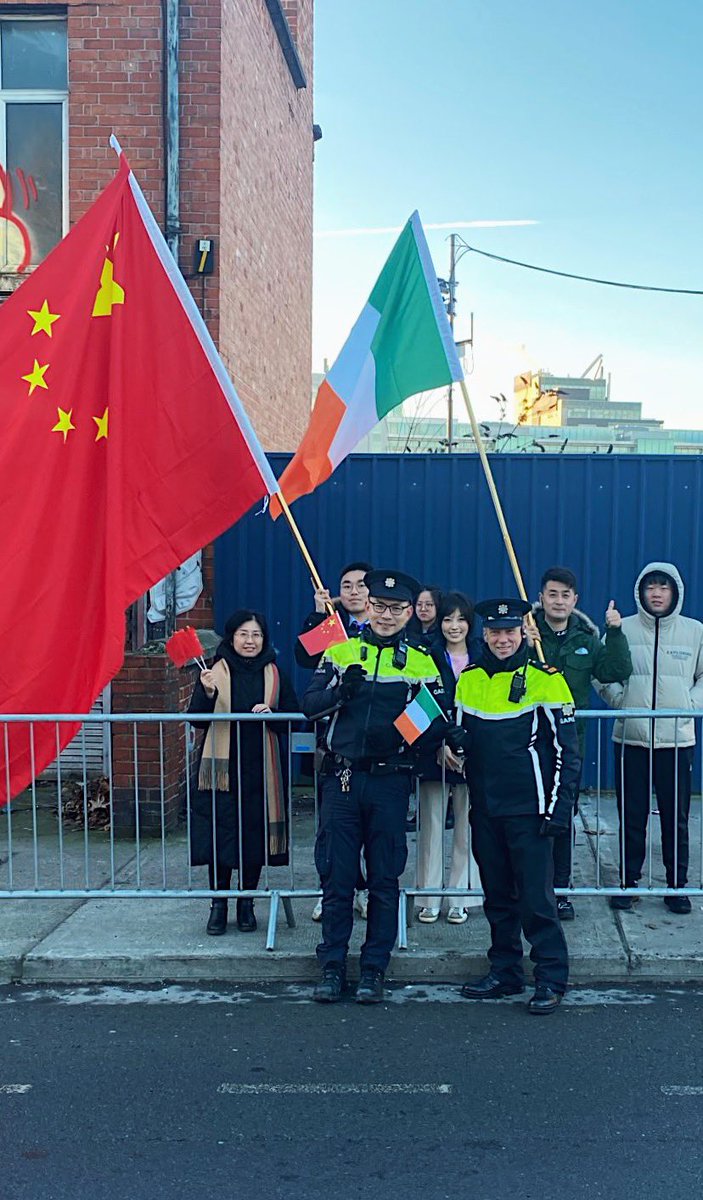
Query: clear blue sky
(586, 118)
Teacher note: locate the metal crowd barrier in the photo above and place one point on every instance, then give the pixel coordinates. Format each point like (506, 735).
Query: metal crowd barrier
(49, 850)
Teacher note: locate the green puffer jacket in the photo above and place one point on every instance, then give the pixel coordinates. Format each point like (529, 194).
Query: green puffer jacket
(581, 656)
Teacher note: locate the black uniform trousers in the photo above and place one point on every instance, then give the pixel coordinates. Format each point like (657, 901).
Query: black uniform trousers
(517, 871)
(371, 815)
(672, 785)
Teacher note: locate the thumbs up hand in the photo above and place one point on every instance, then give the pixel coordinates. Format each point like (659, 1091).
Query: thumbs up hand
(612, 617)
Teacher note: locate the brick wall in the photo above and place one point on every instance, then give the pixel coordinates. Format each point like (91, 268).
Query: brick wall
(246, 172)
(149, 683)
(266, 233)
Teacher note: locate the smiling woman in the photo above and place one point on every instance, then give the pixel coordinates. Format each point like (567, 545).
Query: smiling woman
(240, 801)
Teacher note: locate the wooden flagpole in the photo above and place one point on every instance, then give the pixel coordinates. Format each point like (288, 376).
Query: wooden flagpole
(499, 513)
(292, 524)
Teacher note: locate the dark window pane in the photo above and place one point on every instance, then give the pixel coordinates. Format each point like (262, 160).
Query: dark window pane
(34, 55)
(33, 223)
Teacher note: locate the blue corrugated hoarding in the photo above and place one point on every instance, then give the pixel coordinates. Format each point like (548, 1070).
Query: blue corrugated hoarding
(605, 516)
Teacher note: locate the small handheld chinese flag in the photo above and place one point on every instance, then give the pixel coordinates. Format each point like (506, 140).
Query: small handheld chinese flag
(184, 646)
(329, 632)
(124, 450)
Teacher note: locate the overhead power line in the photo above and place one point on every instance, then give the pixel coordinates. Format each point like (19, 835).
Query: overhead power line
(636, 287)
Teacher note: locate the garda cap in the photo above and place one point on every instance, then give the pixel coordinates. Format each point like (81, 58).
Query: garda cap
(502, 614)
(392, 585)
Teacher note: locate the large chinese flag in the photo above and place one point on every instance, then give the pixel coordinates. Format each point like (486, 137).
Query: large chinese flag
(123, 449)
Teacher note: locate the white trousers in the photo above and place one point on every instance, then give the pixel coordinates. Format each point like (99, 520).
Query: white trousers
(463, 871)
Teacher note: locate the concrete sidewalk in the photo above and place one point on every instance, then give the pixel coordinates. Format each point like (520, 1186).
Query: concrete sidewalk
(117, 939)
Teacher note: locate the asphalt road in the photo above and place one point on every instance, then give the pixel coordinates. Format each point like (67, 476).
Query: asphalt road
(179, 1093)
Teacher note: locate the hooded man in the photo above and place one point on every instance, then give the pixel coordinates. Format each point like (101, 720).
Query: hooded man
(667, 672)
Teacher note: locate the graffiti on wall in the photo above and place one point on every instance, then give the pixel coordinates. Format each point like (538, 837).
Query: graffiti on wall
(15, 239)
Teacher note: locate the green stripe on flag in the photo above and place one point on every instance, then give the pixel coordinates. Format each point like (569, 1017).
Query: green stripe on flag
(428, 704)
(408, 346)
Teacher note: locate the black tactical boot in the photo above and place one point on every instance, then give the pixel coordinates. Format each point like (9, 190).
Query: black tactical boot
(332, 984)
(490, 987)
(544, 1001)
(678, 904)
(217, 921)
(246, 921)
(370, 989)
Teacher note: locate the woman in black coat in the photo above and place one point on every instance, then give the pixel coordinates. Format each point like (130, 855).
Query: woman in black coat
(244, 678)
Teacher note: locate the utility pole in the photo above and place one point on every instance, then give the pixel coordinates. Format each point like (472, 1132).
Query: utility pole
(452, 305)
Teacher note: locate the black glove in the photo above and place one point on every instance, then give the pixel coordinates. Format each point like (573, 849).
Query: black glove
(352, 680)
(553, 829)
(454, 738)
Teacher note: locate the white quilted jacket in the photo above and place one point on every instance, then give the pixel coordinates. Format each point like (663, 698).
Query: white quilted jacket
(667, 671)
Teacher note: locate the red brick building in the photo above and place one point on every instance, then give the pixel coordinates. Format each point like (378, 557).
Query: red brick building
(77, 72)
(238, 161)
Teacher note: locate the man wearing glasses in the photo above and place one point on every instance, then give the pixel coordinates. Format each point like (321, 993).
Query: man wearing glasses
(363, 685)
(350, 604)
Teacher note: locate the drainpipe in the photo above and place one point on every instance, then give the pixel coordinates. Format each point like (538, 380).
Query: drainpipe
(172, 179)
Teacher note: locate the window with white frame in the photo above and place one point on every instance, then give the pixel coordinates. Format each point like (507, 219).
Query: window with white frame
(33, 139)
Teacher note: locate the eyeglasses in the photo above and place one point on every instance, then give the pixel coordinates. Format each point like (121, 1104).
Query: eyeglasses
(255, 637)
(378, 607)
(354, 587)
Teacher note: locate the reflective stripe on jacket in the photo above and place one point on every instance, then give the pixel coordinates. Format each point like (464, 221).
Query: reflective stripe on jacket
(520, 757)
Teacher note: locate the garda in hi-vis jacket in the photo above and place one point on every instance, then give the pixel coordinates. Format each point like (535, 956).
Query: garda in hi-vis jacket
(521, 757)
(361, 728)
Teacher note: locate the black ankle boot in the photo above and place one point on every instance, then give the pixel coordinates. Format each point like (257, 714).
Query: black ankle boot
(246, 921)
(217, 921)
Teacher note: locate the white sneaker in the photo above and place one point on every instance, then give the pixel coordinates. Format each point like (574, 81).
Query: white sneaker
(457, 916)
(361, 904)
(316, 913)
(428, 916)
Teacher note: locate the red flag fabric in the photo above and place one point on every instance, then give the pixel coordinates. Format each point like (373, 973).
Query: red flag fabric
(184, 646)
(124, 449)
(329, 632)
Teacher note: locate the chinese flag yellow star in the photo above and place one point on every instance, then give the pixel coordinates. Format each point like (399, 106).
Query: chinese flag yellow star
(43, 319)
(36, 378)
(101, 423)
(109, 292)
(64, 424)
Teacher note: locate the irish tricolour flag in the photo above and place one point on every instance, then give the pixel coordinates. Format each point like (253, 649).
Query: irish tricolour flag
(418, 716)
(401, 344)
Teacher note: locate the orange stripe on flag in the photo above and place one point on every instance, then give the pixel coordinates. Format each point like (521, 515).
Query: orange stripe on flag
(407, 728)
(311, 464)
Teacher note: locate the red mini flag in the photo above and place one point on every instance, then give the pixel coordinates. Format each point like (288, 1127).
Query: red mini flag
(184, 646)
(124, 449)
(329, 632)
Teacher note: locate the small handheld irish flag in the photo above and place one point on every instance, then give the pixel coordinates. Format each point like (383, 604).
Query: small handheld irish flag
(418, 716)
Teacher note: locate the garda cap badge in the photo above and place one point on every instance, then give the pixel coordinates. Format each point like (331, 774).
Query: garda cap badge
(389, 581)
(502, 610)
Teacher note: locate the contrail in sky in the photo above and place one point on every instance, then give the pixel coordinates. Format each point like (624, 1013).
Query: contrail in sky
(329, 233)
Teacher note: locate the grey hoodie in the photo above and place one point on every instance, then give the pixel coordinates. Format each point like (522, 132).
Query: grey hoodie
(667, 671)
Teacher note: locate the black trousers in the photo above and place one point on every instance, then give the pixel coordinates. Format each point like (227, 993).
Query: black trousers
(371, 815)
(562, 851)
(671, 772)
(517, 871)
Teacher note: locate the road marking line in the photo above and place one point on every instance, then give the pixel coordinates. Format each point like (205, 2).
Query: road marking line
(675, 1090)
(334, 1089)
(14, 1089)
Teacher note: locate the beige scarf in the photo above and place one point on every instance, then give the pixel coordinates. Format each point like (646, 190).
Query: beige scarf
(215, 761)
